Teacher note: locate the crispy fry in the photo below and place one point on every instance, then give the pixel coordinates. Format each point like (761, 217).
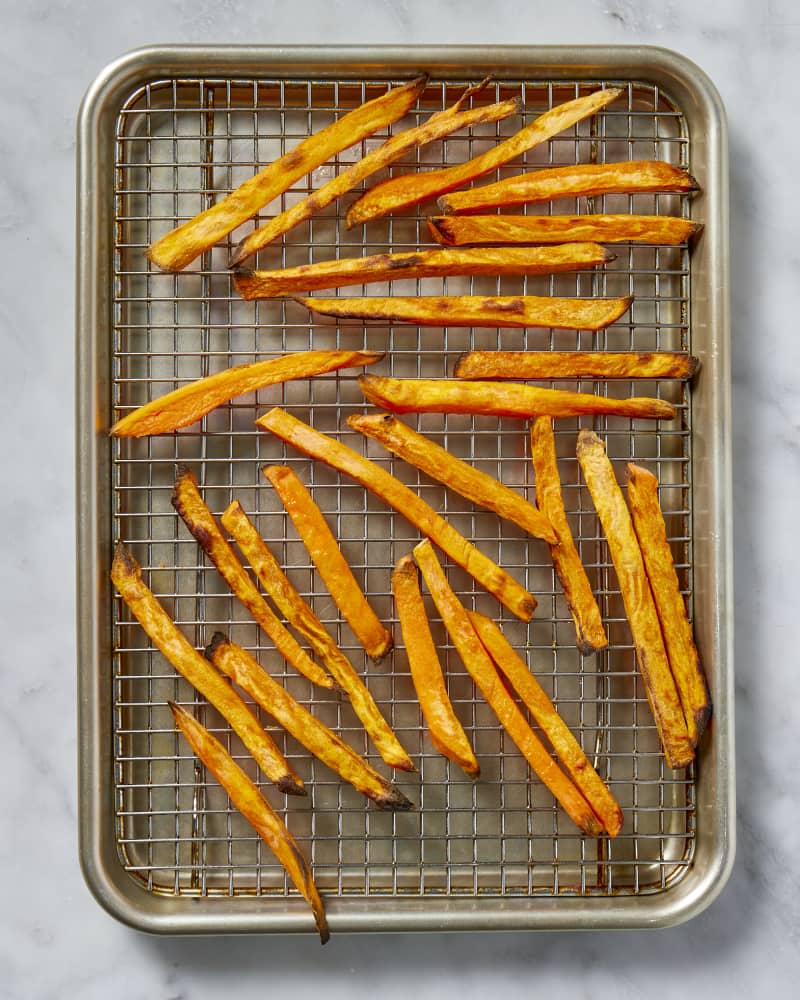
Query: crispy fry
(447, 733)
(648, 521)
(180, 246)
(477, 310)
(331, 564)
(411, 189)
(438, 126)
(325, 449)
(603, 803)
(441, 395)
(439, 464)
(245, 795)
(200, 521)
(126, 576)
(189, 403)
(483, 671)
(571, 182)
(545, 365)
(472, 230)
(637, 598)
(422, 264)
(245, 671)
(589, 629)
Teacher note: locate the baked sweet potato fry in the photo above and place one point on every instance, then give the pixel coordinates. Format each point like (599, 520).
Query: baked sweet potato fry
(411, 189)
(477, 310)
(441, 395)
(648, 522)
(589, 631)
(251, 677)
(474, 230)
(582, 179)
(126, 576)
(545, 365)
(447, 733)
(439, 464)
(481, 668)
(516, 671)
(421, 264)
(189, 403)
(637, 597)
(244, 794)
(180, 246)
(201, 523)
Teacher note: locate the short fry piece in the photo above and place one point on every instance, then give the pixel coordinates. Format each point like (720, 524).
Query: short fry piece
(589, 630)
(411, 189)
(245, 795)
(397, 495)
(546, 365)
(200, 521)
(441, 395)
(447, 733)
(180, 247)
(245, 671)
(422, 264)
(483, 671)
(126, 576)
(637, 597)
(468, 230)
(440, 465)
(583, 179)
(648, 520)
(189, 403)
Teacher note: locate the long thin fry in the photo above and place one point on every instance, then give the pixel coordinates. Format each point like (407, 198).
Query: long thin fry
(245, 795)
(251, 677)
(126, 576)
(546, 365)
(472, 230)
(189, 403)
(180, 246)
(637, 597)
(325, 449)
(411, 189)
(483, 671)
(465, 479)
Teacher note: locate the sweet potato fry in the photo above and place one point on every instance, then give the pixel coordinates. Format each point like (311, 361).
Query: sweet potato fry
(200, 521)
(648, 521)
(189, 403)
(411, 189)
(483, 671)
(251, 677)
(603, 803)
(244, 794)
(447, 733)
(571, 182)
(126, 576)
(589, 629)
(441, 395)
(397, 495)
(474, 230)
(439, 125)
(439, 464)
(180, 246)
(545, 365)
(637, 597)
(422, 264)
(477, 310)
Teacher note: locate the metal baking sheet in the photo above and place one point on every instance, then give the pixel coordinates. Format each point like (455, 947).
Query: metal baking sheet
(162, 134)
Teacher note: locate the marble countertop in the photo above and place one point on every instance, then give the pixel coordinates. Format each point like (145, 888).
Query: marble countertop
(55, 941)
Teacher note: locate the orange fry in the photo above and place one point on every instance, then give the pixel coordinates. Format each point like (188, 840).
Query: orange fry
(545, 365)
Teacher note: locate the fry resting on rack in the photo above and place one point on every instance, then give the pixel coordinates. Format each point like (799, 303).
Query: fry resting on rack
(469, 230)
(546, 365)
(126, 576)
(180, 246)
(189, 403)
(245, 795)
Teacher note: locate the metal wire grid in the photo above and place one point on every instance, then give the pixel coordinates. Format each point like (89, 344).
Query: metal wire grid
(180, 145)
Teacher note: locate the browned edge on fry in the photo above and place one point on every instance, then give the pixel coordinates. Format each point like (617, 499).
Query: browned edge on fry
(520, 366)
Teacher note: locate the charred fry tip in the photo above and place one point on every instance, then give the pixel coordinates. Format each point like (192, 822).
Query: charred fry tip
(237, 256)
(123, 562)
(694, 366)
(291, 786)
(695, 231)
(438, 227)
(393, 800)
(692, 182)
(218, 639)
(702, 717)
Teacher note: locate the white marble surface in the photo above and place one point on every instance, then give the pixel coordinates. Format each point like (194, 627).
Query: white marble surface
(55, 942)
